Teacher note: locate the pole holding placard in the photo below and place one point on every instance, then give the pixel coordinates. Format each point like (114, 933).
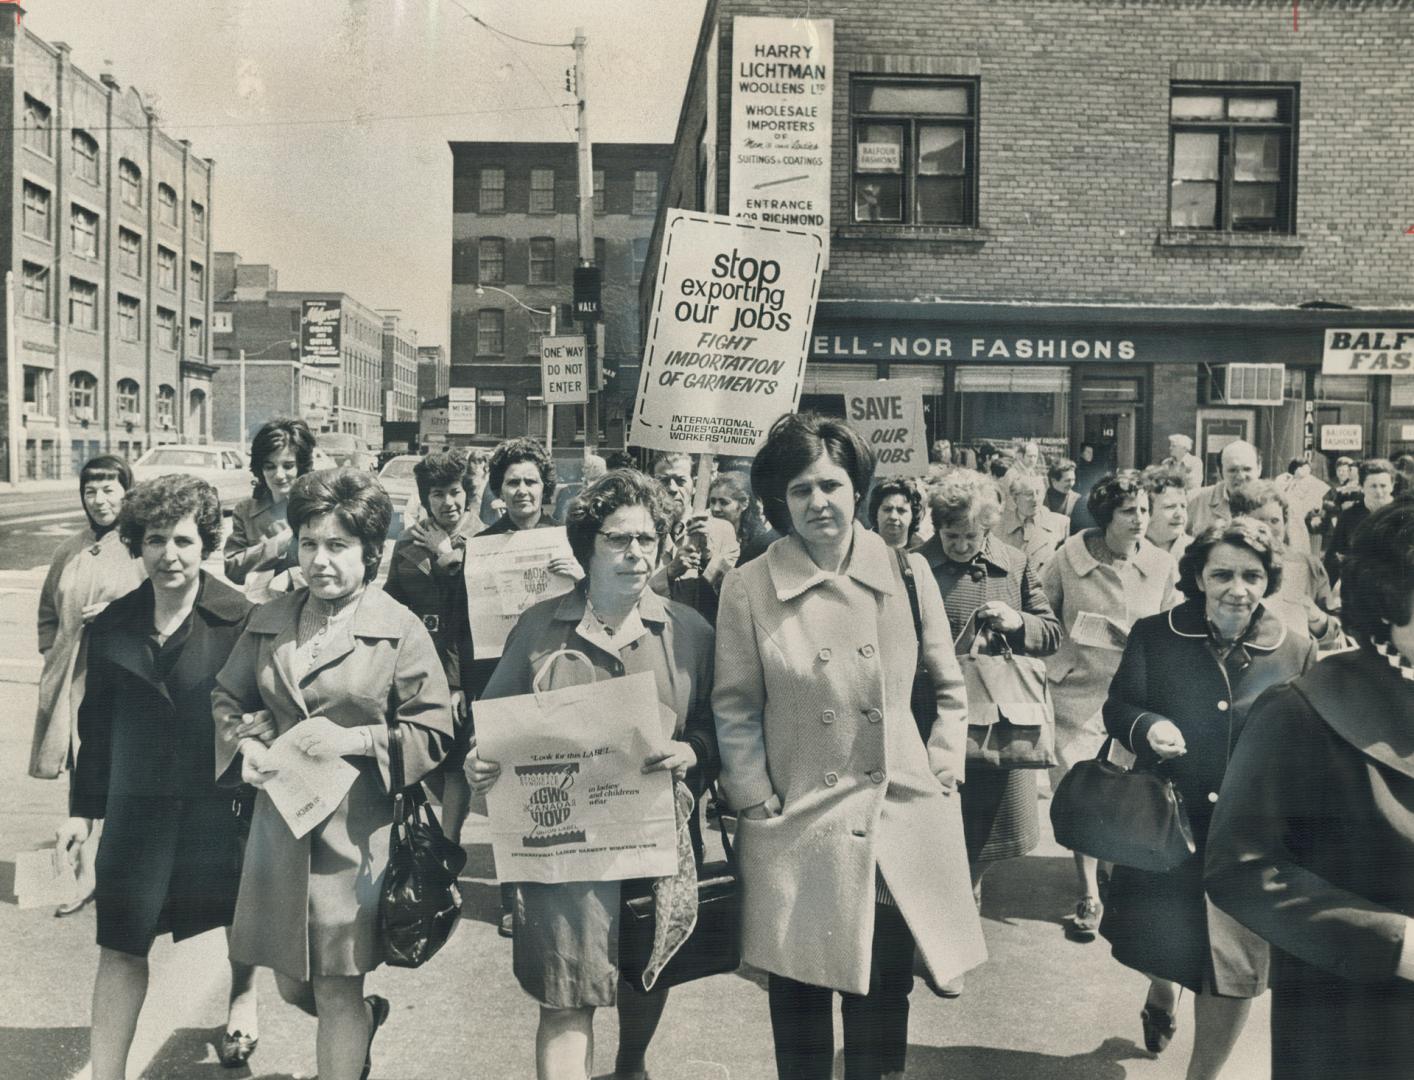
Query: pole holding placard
(586, 235)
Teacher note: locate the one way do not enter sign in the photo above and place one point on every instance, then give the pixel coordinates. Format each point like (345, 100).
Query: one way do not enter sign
(564, 377)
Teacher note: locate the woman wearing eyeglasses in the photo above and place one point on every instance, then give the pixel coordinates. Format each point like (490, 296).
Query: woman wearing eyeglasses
(566, 935)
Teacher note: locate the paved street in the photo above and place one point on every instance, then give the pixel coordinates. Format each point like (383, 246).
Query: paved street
(1041, 1009)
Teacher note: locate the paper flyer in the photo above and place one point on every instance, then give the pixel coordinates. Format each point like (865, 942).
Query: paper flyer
(306, 790)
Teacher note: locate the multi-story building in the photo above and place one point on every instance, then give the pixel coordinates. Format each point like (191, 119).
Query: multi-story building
(399, 380)
(107, 244)
(1095, 221)
(514, 247)
(434, 372)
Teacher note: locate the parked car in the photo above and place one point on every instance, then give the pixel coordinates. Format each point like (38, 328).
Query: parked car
(223, 468)
(398, 481)
(363, 460)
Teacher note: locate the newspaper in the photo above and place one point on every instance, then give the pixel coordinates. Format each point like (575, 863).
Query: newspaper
(306, 790)
(1099, 631)
(505, 574)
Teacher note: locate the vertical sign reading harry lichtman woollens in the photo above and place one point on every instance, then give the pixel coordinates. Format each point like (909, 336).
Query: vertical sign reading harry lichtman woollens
(782, 113)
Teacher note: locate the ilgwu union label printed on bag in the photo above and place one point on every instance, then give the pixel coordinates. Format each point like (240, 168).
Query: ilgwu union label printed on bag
(550, 804)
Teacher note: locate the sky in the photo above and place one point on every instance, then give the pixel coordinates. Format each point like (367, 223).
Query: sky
(361, 201)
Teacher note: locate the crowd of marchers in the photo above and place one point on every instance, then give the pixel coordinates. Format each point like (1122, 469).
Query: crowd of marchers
(1251, 641)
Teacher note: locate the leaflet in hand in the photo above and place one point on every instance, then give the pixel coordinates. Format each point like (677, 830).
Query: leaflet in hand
(306, 790)
(44, 878)
(1099, 631)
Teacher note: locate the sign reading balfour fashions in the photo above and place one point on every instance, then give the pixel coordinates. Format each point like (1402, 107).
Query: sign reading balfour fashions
(319, 329)
(782, 90)
(1368, 352)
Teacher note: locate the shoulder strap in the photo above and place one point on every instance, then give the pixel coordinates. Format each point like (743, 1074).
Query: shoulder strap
(912, 587)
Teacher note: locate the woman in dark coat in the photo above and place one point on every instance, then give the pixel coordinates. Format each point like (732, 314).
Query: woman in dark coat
(170, 857)
(259, 544)
(1312, 845)
(1183, 689)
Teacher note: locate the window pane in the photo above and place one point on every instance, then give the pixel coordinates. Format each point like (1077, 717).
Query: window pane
(941, 200)
(942, 151)
(1195, 155)
(878, 148)
(1253, 203)
(1196, 107)
(912, 98)
(878, 198)
(1195, 205)
(1258, 156)
(1245, 108)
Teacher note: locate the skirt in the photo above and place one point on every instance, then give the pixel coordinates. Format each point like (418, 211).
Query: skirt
(999, 813)
(165, 866)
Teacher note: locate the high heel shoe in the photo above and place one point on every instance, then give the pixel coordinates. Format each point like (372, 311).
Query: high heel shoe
(1159, 1028)
(379, 1007)
(73, 907)
(236, 1049)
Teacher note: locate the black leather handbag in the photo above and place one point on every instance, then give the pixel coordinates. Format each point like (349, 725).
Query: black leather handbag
(1133, 817)
(713, 947)
(421, 903)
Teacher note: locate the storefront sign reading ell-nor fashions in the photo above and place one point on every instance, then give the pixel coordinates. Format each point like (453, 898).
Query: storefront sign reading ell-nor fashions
(782, 88)
(889, 345)
(1368, 352)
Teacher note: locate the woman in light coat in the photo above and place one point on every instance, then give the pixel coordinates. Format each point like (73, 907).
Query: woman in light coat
(338, 663)
(1111, 575)
(850, 832)
(89, 571)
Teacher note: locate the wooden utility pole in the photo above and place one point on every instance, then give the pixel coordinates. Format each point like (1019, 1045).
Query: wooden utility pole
(586, 240)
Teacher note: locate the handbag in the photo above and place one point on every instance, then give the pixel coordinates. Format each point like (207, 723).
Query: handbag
(922, 697)
(420, 903)
(1011, 723)
(713, 947)
(1133, 817)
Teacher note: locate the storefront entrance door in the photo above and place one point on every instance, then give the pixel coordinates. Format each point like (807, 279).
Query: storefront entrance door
(1111, 432)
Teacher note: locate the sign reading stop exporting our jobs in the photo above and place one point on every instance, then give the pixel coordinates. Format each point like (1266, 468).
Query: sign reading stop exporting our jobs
(1368, 352)
(564, 378)
(888, 415)
(730, 331)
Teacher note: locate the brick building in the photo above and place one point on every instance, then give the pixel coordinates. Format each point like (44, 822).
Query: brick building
(399, 379)
(514, 230)
(1101, 221)
(434, 372)
(108, 241)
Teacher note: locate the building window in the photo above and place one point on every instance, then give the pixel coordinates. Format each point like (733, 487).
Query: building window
(39, 134)
(166, 406)
(599, 191)
(222, 322)
(36, 301)
(39, 391)
(542, 261)
(129, 399)
(167, 328)
(491, 413)
(36, 211)
(130, 182)
(645, 191)
(85, 148)
(491, 260)
(198, 281)
(130, 252)
(83, 304)
(601, 257)
(166, 268)
(1233, 158)
(166, 204)
(915, 151)
(196, 337)
(640, 257)
(83, 231)
(198, 220)
(536, 417)
(490, 332)
(129, 318)
(83, 393)
(542, 191)
(493, 191)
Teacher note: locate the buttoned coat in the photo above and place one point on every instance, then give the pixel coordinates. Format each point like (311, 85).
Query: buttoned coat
(813, 677)
(86, 569)
(1161, 924)
(1312, 846)
(251, 543)
(310, 905)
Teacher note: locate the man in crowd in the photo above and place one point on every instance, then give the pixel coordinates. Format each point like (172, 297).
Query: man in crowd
(1181, 456)
(1209, 506)
(1060, 494)
(698, 550)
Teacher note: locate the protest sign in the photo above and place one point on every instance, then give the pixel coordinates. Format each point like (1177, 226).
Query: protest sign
(305, 790)
(727, 344)
(888, 415)
(564, 376)
(572, 802)
(505, 574)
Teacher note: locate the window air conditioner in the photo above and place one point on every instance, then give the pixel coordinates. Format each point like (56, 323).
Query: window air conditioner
(1253, 384)
(84, 412)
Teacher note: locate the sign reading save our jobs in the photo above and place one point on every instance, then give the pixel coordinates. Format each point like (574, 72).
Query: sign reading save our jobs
(782, 120)
(888, 415)
(729, 335)
(564, 376)
(1368, 352)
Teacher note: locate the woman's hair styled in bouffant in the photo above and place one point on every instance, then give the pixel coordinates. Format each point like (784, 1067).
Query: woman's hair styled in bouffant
(897, 485)
(795, 442)
(513, 452)
(277, 435)
(164, 501)
(440, 469)
(1110, 493)
(964, 495)
(354, 497)
(596, 504)
(1377, 576)
(1241, 532)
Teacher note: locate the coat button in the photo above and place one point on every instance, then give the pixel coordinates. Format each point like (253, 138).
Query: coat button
(831, 779)
(828, 716)
(824, 655)
(866, 650)
(874, 716)
(1212, 796)
(860, 832)
(1222, 706)
(877, 776)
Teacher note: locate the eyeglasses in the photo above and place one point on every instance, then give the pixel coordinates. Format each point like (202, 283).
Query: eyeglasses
(621, 542)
